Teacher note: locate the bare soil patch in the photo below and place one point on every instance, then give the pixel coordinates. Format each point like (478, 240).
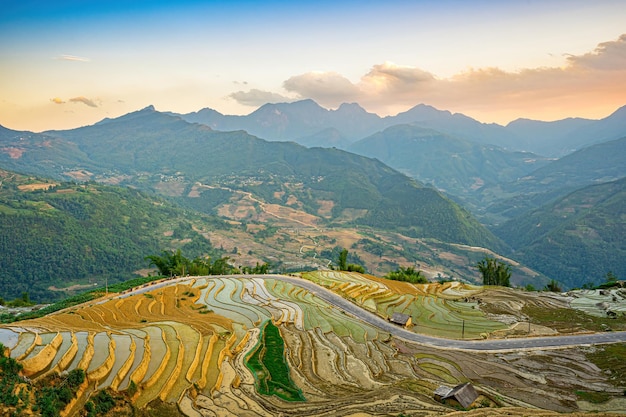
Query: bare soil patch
(34, 187)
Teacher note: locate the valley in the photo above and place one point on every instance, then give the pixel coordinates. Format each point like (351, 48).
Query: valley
(88, 208)
(333, 209)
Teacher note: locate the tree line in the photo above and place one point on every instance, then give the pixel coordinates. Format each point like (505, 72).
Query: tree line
(173, 263)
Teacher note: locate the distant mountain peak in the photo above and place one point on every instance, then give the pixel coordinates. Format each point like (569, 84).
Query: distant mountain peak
(351, 108)
(149, 108)
(621, 112)
(423, 112)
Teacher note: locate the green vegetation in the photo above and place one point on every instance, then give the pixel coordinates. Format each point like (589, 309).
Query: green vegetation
(99, 404)
(258, 269)
(23, 301)
(594, 397)
(408, 274)
(269, 366)
(53, 396)
(610, 358)
(342, 262)
(494, 272)
(567, 320)
(576, 238)
(174, 263)
(141, 142)
(9, 379)
(77, 234)
(553, 286)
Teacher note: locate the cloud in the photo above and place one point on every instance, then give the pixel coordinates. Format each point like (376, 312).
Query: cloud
(324, 87)
(607, 56)
(83, 100)
(57, 100)
(72, 58)
(595, 81)
(256, 97)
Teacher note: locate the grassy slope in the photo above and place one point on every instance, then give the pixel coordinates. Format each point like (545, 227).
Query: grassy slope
(147, 148)
(78, 233)
(576, 239)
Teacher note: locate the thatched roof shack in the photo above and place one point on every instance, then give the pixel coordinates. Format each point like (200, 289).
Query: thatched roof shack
(463, 394)
(401, 319)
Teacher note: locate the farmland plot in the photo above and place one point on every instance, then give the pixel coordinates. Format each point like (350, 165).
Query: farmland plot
(200, 344)
(436, 309)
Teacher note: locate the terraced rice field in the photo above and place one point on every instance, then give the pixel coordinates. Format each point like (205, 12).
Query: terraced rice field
(190, 342)
(435, 309)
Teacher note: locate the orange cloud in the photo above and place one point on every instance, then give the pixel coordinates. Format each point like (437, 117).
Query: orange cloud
(57, 100)
(595, 81)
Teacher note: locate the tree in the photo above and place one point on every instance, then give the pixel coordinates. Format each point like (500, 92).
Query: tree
(342, 262)
(553, 286)
(494, 272)
(408, 274)
(258, 269)
(343, 265)
(174, 263)
(75, 378)
(355, 268)
(169, 263)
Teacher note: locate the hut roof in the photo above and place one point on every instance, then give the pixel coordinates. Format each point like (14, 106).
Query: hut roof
(442, 391)
(465, 394)
(399, 318)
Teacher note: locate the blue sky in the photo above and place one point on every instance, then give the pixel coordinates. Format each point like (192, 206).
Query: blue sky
(69, 63)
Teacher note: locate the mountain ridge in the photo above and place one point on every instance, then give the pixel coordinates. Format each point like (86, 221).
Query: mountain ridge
(550, 139)
(157, 151)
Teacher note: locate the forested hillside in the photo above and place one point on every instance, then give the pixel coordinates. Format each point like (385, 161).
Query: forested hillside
(163, 153)
(578, 238)
(457, 166)
(591, 165)
(61, 234)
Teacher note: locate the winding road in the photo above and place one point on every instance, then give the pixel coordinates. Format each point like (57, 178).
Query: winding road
(497, 345)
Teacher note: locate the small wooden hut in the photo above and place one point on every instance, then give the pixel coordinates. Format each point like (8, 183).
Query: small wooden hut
(463, 395)
(401, 319)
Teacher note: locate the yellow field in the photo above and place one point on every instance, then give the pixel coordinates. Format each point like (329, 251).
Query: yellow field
(186, 342)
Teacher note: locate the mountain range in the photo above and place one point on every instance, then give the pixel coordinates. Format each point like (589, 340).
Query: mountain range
(303, 120)
(212, 163)
(575, 238)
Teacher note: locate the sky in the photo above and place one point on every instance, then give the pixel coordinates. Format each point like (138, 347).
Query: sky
(68, 63)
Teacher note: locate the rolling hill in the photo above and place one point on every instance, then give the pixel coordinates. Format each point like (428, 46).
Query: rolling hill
(163, 153)
(457, 166)
(59, 238)
(594, 164)
(576, 239)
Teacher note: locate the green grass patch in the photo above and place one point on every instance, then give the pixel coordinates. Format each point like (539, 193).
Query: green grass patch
(567, 320)
(437, 358)
(269, 366)
(593, 397)
(610, 358)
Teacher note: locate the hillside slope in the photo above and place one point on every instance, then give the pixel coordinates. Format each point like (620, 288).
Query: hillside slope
(276, 345)
(163, 153)
(54, 235)
(457, 166)
(595, 164)
(576, 239)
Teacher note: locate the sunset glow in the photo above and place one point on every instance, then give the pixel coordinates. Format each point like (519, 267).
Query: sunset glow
(70, 63)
